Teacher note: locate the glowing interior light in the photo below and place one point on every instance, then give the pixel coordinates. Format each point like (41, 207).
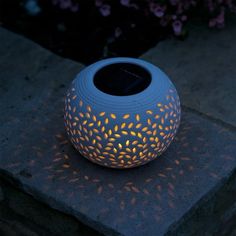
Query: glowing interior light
(138, 126)
(150, 112)
(124, 132)
(89, 109)
(144, 129)
(132, 133)
(126, 116)
(81, 115)
(139, 135)
(113, 116)
(95, 130)
(94, 118)
(135, 142)
(162, 133)
(87, 115)
(162, 120)
(102, 113)
(130, 125)
(116, 128)
(123, 125)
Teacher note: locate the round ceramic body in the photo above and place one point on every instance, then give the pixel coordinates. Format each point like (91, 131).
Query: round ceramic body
(121, 131)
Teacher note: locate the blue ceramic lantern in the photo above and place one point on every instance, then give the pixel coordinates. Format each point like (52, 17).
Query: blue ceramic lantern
(121, 112)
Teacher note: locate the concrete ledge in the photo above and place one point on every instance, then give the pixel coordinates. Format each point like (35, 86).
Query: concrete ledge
(21, 214)
(215, 215)
(202, 68)
(154, 199)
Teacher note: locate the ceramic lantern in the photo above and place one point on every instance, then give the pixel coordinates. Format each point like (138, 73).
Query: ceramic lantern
(121, 112)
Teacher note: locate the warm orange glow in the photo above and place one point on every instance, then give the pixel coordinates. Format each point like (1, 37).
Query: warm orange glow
(105, 140)
(102, 113)
(126, 116)
(113, 116)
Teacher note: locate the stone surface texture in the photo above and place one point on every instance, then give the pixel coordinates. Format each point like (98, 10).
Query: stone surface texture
(202, 68)
(36, 154)
(21, 214)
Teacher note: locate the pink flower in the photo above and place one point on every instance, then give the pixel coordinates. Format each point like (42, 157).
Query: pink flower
(132, 25)
(105, 10)
(229, 3)
(98, 3)
(220, 19)
(221, 16)
(157, 10)
(152, 6)
(55, 2)
(174, 17)
(65, 4)
(210, 5)
(183, 18)
(212, 23)
(135, 6)
(125, 2)
(118, 32)
(179, 10)
(177, 27)
(174, 2)
(164, 21)
(74, 8)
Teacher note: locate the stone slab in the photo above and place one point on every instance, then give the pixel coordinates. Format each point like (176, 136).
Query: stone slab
(203, 69)
(35, 152)
(21, 213)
